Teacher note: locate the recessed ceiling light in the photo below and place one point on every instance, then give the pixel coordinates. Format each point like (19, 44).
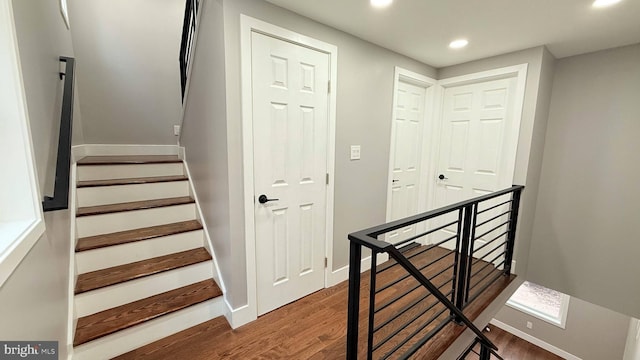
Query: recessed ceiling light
(381, 3)
(458, 44)
(604, 3)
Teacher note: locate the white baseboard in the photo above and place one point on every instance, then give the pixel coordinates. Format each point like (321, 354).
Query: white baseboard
(80, 151)
(238, 317)
(337, 276)
(535, 341)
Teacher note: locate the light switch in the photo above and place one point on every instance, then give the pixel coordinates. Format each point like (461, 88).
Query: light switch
(355, 152)
(176, 130)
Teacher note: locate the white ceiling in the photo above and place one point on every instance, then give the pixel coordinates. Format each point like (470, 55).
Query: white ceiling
(422, 29)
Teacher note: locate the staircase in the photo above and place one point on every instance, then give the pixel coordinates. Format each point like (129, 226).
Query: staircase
(142, 264)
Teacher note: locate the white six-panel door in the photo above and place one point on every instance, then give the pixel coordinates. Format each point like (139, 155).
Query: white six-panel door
(290, 127)
(406, 156)
(473, 148)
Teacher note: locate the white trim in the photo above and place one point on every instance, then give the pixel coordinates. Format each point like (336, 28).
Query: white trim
(209, 245)
(560, 322)
(238, 317)
(64, 11)
(71, 309)
(428, 84)
(249, 25)
(80, 151)
(22, 231)
(534, 340)
(519, 72)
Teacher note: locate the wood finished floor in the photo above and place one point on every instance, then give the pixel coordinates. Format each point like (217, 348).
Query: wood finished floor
(315, 326)
(512, 347)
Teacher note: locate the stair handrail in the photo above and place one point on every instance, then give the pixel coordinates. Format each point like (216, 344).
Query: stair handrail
(411, 269)
(60, 198)
(189, 30)
(368, 238)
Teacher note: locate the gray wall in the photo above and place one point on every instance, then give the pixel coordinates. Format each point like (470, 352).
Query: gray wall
(34, 298)
(42, 39)
(204, 136)
(591, 333)
(364, 91)
(585, 236)
(632, 347)
(128, 72)
(532, 131)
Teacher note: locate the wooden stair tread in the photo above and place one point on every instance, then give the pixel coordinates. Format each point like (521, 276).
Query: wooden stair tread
(129, 159)
(129, 236)
(131, 181)
(161, 349)
(437, 345)
(115, 319)
(134, 205)
(118, 274)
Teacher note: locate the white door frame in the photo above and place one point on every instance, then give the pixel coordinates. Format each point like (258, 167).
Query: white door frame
(249, 25)
(429, 85)
(516, 71)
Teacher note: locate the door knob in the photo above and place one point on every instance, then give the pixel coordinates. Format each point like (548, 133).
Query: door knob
(263, 199)
(442, 177)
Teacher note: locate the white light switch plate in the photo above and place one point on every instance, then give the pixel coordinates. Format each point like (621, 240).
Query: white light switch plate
(176, 130)
(355, 152)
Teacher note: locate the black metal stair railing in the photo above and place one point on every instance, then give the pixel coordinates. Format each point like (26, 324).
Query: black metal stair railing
(60, 198)
(439, 262)
(477, 350)
(189, 27)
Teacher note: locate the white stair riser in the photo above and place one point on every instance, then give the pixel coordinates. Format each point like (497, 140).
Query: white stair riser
(129, 220)
(150, 331)
(92, 260)
(103, 195)
(104, 172)
(109, 297)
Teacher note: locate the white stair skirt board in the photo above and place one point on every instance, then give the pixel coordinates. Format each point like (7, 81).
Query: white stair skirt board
(102, 258)
(129, 220)
(148, 332)
(534, 340)
(105, 172)
(94, 301)
(103, 195)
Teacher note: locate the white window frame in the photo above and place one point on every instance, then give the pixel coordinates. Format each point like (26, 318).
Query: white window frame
(559, 321)
(23, 224)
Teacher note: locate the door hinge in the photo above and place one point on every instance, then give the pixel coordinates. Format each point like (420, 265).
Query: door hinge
(327, 179)
(326, 263)
(329, 87)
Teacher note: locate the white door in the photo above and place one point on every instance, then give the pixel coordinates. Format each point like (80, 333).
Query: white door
(474, 154)
(290, 127)
(406, 148)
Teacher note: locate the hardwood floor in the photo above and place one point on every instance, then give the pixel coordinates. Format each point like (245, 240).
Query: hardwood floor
(129, 159)
(135, 270)
(133, 205)
(315, 327)
(512, 347)
(115, 319)
(129, 236)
